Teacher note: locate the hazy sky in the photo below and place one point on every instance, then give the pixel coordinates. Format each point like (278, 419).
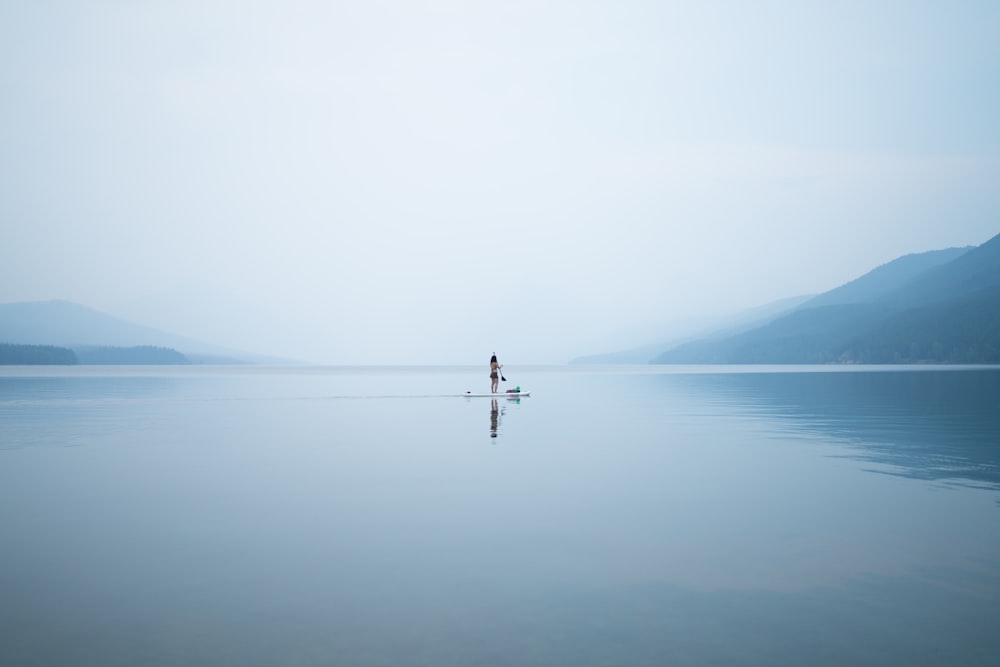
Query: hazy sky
(430, 182)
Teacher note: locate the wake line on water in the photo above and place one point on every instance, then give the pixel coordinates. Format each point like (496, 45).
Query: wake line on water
(357, 397)
(83, 402)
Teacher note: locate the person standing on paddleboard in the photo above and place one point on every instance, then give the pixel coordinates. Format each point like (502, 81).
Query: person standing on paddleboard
(494, 373)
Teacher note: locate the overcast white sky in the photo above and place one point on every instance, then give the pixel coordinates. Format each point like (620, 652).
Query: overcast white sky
(430, 182)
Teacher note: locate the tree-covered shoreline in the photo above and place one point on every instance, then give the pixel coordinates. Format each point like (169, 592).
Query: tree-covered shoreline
(52, 355)
(36, 355)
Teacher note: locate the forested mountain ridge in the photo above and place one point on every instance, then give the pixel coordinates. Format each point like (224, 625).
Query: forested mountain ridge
(939, 307)
(973, 274)
(882, 281)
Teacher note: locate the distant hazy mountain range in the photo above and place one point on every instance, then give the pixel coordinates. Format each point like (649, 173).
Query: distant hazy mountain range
(685, 332)
(935, 307)
(81, 329)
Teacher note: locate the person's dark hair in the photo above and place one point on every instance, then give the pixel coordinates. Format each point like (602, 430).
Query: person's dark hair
(493, 358)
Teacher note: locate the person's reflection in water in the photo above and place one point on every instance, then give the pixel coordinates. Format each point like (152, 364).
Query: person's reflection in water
(494, 417)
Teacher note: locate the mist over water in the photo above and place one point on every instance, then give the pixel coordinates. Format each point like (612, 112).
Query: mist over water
(333, 182)
(369, 516)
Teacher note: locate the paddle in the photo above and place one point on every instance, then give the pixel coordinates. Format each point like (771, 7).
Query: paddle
(498, 369)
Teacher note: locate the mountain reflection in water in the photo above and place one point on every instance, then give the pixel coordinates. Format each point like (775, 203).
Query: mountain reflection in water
(938, 425)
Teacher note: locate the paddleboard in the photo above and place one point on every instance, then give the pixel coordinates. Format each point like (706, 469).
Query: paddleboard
(499, 394)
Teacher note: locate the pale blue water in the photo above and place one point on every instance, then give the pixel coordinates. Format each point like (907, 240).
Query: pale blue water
(644, 516)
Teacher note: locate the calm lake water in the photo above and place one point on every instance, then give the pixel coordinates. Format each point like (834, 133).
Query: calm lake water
(617, 516)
